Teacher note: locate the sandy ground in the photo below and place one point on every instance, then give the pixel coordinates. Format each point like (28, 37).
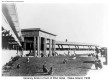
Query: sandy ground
(100, 74)
(73, 67)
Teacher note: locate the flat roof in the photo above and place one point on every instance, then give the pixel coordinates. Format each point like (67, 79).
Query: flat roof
(36, 29)
(74, 43)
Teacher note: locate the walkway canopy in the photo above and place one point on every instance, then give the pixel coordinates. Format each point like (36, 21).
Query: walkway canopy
(10, 17)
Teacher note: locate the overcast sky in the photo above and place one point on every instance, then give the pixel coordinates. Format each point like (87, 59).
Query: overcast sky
(75, 22)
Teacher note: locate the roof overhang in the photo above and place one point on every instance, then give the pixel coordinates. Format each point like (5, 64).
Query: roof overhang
(74, 43)
(36, 29)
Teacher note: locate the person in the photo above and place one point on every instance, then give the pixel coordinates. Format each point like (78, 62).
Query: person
(50, 71)
(102, 52)
(98, 63)
(42, 55)
(97, 56)
(68, 52)
(64, 61)
(66, 40)
(18, 66)
(96, 50)
(48, 55)
(28, 60)
(74, 55)
(44, 67)
(53, 54)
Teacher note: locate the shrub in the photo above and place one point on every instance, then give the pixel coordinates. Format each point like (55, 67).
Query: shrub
(9, 63)
(15, 58)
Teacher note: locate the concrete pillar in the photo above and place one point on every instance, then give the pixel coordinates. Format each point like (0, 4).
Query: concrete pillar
(69, 50)
(78, 47)
(90, 47)
(69, 47)
(75, 47)
(30, 47)
(50, 47)
(53, 46)
(38, 45)
(35, 46)
(45, 46)
(61, 47)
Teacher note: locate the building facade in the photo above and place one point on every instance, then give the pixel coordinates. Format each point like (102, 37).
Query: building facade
(38, 41)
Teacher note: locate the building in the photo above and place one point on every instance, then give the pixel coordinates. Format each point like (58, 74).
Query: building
(37, 40)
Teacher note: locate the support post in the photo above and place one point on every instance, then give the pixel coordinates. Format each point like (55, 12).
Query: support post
(78, 47)
(45, 46)
(62, 47)
(75, 47)
(30, 47)
(50, 47)
(35, 46)
(38, 45)
(53, 47)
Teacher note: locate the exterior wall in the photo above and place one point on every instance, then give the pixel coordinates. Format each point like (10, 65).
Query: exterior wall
(45, 35)
(37, 41)
(37, 33)
(30, 34)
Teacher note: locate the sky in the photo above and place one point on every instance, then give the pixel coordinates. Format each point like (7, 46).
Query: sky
(76, 22)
